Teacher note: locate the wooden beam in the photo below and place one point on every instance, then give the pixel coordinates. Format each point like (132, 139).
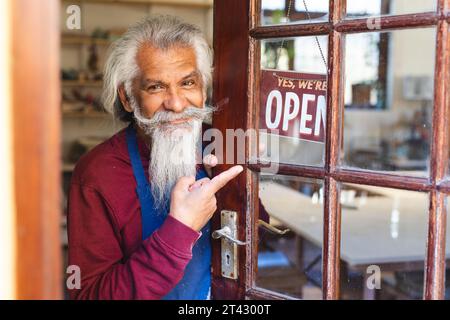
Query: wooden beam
(435, 260)
(332, 210)
(231, 68)
(36, 128)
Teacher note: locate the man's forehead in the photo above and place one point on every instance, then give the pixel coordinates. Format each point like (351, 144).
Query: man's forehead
(182, 76)
(178, 61)
(150, 55)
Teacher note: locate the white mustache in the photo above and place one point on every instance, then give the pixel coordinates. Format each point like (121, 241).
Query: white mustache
(164, 117)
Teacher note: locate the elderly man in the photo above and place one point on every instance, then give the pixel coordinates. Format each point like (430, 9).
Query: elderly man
(139, 204)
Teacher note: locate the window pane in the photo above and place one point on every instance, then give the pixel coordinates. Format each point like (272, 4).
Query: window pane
(358, 8)
(293, 99)
(276, 12)
(389, 100)
(384, 235)
(291, 263)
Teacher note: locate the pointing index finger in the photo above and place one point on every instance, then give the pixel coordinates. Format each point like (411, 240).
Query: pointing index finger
(219, 181)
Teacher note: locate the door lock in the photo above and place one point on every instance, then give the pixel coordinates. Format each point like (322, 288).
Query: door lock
(229, 242)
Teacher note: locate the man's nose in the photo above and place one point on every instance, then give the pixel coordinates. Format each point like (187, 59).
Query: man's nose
(175, 101)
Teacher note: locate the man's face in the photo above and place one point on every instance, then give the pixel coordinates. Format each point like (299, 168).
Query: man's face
(167, 105)
(168, 81)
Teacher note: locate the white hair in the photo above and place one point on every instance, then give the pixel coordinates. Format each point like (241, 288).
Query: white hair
(161, 32)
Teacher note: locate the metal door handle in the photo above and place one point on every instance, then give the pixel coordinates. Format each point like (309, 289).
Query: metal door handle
(271, 228)
(225, 233)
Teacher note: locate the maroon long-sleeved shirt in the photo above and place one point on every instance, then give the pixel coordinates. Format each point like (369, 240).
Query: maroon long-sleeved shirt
(105, 230)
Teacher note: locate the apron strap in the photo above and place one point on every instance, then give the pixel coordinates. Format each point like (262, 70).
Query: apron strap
(150, 220)
(196, 281)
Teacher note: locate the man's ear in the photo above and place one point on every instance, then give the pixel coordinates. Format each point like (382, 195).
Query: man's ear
(124, 99)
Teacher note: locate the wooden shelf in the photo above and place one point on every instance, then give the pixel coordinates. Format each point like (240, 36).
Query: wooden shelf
(78, 83)
(180, 3)
(68, 39)
(67, 167)
(91, 114)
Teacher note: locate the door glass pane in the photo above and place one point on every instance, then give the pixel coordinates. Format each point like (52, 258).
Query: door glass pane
(291, 263)
(293, 99)
(384, 235)
(389, 100)
(360, 9)
(275, 12)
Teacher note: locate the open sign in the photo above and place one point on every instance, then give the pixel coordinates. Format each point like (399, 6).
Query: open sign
(294, 104)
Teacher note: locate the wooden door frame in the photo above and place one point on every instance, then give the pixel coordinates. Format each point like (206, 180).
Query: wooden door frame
(236, 62)
(36, 139)
(230, 89)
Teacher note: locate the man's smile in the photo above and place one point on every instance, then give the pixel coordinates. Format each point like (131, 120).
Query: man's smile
(178, 121)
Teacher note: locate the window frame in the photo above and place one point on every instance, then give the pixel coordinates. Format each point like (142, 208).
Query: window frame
(333, 173)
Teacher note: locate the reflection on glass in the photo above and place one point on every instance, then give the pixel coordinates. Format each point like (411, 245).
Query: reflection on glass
(388, 72)
(359, 9)
(293, 98)
(291, 263)
(296, 11)
(384, 233)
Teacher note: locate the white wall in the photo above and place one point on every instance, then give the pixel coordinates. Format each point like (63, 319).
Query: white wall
(7, 210)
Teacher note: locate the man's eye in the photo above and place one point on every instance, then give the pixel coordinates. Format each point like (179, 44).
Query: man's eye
(188, 83)
(155, 87)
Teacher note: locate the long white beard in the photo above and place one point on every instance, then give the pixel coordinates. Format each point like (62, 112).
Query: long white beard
(175, 148)
(174, 154)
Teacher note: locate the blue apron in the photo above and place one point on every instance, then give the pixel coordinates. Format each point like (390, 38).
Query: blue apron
(196, 281)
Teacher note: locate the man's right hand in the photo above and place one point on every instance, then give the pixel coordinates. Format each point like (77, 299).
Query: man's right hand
(195, 206)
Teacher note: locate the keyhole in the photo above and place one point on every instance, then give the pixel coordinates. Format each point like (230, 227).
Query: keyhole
(228, 259)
